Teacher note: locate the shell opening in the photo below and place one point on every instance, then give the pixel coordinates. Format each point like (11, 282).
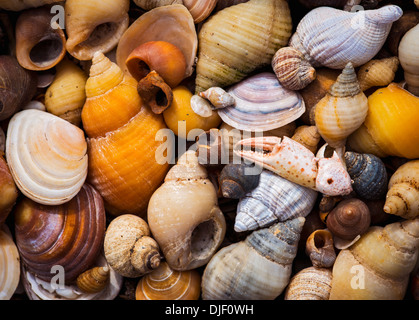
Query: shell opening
(203, 239)
(46, 51)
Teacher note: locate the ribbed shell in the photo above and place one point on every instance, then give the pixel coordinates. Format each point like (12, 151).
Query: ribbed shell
(331, 37)
(93, 280)
(378, 72)
(257, 268)
(274, 199)
(310, 284)
(9, 264)
(200, 9)
(262, 103)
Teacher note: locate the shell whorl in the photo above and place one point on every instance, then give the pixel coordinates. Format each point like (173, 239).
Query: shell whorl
(384, 15)
(347, 84)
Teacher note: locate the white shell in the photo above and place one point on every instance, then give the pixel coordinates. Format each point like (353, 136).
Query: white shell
(274, 199)
(47, 156)
(262, 104)
(331, 37)
(9, 264)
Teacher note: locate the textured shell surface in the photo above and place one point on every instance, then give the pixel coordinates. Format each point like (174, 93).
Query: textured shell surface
(310, 284)
(9, 264)
(47, 156)
(262, 103)
(378, 72)
(274, 199)
(331, 37)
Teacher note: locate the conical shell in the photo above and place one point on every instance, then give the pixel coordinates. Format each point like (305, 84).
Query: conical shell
(331, 37)
(262, 104)
(377, 73)
(165, 283)
(24, 4)
(257, 268)
(310, 284)
(274, 199)
(240, 39)
(378, 265)
(93, 280)
(94, 26)
(308, 136)
(409, 59)
(200, 9)
(47, 156)
(9, 264)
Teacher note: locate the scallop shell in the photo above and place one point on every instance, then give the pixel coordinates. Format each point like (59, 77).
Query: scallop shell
(47, 156)
(274, 199)
(262, 104)
(310, 284)
(9, 264)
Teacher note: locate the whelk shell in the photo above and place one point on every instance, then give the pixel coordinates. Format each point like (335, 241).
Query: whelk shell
(378, 73)
(93, 280)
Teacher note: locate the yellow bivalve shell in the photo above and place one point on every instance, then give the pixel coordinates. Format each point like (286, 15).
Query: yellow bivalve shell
(9, 264)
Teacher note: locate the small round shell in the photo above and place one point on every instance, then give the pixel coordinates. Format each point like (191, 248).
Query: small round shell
(310, 284)
(235, 182)
(320, 248)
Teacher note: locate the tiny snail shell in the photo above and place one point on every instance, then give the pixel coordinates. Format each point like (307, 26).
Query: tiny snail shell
(93, 280)
(310, 284)
(218, 97)
(320, 249)
(201, 106)
(236, 182)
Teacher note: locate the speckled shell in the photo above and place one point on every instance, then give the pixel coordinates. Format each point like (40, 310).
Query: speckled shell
(331, 37)
(9, 264)
(258, 268)
(274, 199)
(262, 103)
(310, 284)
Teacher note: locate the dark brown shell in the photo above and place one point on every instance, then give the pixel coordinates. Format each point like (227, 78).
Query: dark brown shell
(320, 248)
(68, 235)
(235, 182)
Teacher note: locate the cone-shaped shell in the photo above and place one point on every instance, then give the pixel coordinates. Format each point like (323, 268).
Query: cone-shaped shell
(310, 284)
(378, 73)
(24, 4)
(331, 37)
(240, 39)
(409, 59)
(9, 264)
(93, 280)
(257, 268)
(47, 156)
(378, 265)
(165, 283)
(308, 136)
(274, 199)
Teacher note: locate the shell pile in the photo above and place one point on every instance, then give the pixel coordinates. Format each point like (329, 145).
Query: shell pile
(209, 150)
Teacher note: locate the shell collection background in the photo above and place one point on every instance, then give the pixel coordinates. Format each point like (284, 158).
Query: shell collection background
(84, 183)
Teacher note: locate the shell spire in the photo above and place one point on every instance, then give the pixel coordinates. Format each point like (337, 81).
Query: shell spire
(347, 84)
(384, 15)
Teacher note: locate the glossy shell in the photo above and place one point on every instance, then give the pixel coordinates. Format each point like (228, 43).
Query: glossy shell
(409, 59)
(9, 264)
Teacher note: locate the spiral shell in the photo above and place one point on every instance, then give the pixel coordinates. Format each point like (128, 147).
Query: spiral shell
(308, 136)
(409, 59)
(9, 263)
(165, 283)
(235, 181)
(47, 156)
(377, 73)
(200, 9)
(93, 280)
(320, 248)
(218, 97)
(310, 284)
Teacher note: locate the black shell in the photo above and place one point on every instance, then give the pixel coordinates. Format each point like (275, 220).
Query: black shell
(235, 182)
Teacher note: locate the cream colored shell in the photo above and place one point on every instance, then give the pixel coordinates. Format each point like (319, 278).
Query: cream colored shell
(9, 264)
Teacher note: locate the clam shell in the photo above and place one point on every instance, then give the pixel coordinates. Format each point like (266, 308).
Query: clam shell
(262, 103)
(47, 156)
(9, 264)
(274, 199)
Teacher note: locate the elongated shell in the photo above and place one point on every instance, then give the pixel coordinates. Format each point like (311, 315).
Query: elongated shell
(165, 283)
(68, 235)
(310, 284)
(8, 190)
(24, 4)
(402, 198)
(200, 9)
(47, 156)
(184, 216)
(94, 26)
(262, 104)
(274, 199)
(409, 59)
(240, 39)
(257, 268)
(9, 264)
(378, 73)
(331, 37)
(378, 265)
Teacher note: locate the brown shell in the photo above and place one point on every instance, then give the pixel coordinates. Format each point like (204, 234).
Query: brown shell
(320, 248)
(8, 190)
(93, 280)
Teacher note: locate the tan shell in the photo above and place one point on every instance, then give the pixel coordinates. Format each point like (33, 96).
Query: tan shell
(308, 136)
(151, 4)
(320, 248)
(310, 284)
(200, 9)
(377, 72)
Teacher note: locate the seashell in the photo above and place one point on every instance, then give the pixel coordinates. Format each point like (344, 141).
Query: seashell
(184, 216)
(350, 218)
(274, 199)
(8, 191)
(94, 26)
(93, 280)
(201, 106)
(403, 191)
(389, 128)
(52, 179)
(17, 86)
(310, 284)
(161, 56)
(114, 141)
(262, 104)
(218, 97)
(155, 93)
(151, 4)
(236, 180)
(10, 264)
(210, 151)
(308, 136)
(417, 3)
(240, 39)
(380, 261)
(409, 59)
(165, 283)
(377, 73)
(24, 4)
(172, 23)
(408, 20)
(66, 95)
(200, 9)
(37, 289)
(292, 69)
(129, 248)
(320, 248)
(258, 268)
(69, 235)
(368, 173)
(40, 45)
(354, 37)
(311, 4)
(342, 110)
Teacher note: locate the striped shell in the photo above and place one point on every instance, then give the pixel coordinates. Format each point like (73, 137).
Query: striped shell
(310, 284)
(274, 199)
(262, 103)
(94, 280)
(9, 264)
